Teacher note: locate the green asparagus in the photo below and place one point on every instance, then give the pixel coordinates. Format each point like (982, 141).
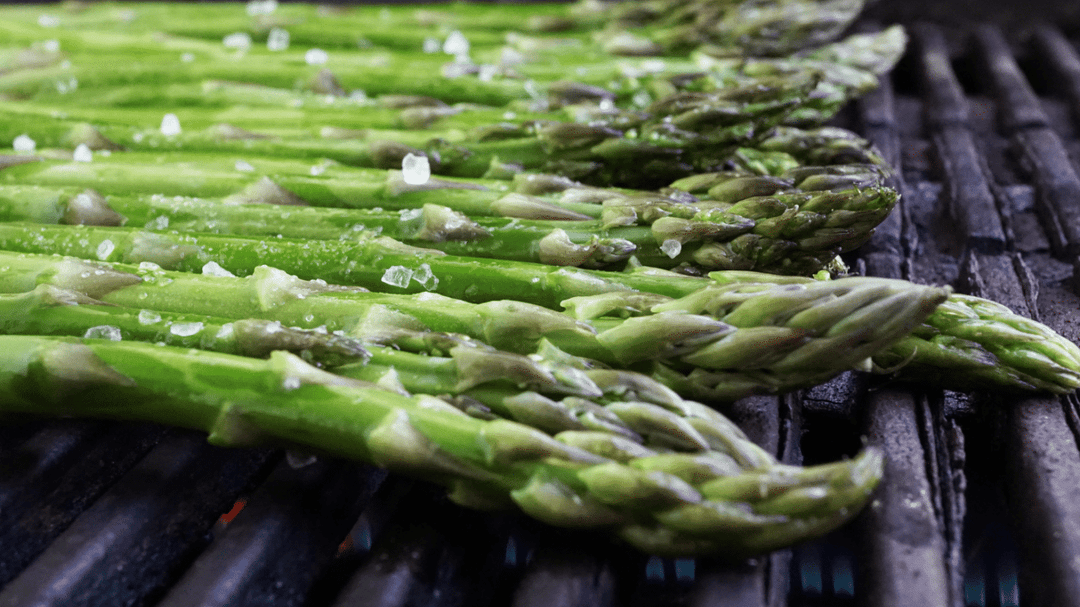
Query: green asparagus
(782, 328)
(708, 229)
(549, 390)
(660, 502)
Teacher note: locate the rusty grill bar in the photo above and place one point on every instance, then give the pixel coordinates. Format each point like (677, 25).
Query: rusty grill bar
(981, 125)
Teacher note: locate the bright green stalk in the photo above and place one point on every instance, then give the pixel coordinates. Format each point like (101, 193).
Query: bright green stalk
(549, 390)
(48, 310)
(686, 500)
(966, 343)
(776, 27)
(814, 332)
(737, 220)
(970, 343)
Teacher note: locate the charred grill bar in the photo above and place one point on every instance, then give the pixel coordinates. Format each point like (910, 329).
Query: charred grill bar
(981, 122)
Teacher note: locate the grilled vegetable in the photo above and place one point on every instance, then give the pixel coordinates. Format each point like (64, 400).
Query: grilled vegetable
(784, 330)
(733, 499)
(790, 224)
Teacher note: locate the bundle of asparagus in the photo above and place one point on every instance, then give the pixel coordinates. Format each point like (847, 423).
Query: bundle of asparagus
(527, 328)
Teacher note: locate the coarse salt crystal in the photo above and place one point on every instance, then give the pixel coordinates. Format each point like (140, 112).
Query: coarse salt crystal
(108, 332)
(212, 268)
(225, 332)
(397, 276)
(170, 125)
(185, 329)
(51, 46)
(432, 45)
(105, 249)
(240, 41)
(509, 56)
(487, 72)
(187, 57)
(457, 69)
(161, 222)
(23, 143)
(456, 44)
(242, 165)
(261, 7)
(278, 39)
(671, 248)
(148, 317)
(316, 56)
(415, 170)
(642, 99)
(425, 276)
(48, 21)
(82, 153)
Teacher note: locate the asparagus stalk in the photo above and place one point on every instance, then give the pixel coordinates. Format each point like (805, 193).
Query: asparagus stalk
(49, 310)
(662, 503)
(549, 390)
(777, 27)
(727, 213)
(854, 318)
(967, 343)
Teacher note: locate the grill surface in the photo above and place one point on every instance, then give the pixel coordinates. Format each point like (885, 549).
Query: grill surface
(980, 504)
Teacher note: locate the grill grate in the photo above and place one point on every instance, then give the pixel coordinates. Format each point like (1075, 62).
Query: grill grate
(124, 514)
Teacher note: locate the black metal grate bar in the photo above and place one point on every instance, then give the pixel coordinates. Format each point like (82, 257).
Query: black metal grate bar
(1043, 153)
(1063, 60)
(122, 549)
(275, 548)
(56, 474)
(972, 203)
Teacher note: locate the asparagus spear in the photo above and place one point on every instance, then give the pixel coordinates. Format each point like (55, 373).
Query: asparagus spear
(967, 343)
(854, 318)
(549, 390)
(776, 27)
(662, 503)
(727, 212)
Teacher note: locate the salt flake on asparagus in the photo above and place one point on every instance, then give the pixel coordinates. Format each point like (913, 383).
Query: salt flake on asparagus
(415, 170)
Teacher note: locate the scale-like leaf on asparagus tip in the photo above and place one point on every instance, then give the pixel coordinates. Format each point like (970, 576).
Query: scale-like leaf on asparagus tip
(508, 322)
(95, 280)
(970, 342)
(397, 445)
(557, 249)
(526, 206)
(440, 224)
(274, 287)
(554, 502)
(616, 303)
(89, 208)
(266, 191)
(623, 486)
(476, 366)
(70, 368)
(541, 412)
(258, 338)
(661, 335)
